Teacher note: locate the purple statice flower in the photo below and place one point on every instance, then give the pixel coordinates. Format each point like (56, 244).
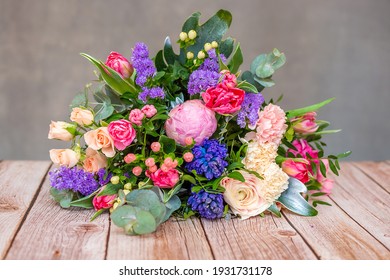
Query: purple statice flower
(154, 92)
(209, 159)
(201, 80)
(208, 205)
(103, 176)
(73, 179)
(142, 63)
(250, 109)
(211, 63)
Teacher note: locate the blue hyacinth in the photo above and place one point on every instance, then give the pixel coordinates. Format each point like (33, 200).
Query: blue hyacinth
(209, 159)
(208, 205)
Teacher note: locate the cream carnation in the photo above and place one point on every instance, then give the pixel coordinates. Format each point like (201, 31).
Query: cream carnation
(259, 156)
(275, 182)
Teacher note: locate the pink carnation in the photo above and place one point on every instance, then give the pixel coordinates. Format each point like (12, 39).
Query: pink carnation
(122, 132)
(271, 125)
(149, 110)
(191, 119)
(136, 116)
(164, 179)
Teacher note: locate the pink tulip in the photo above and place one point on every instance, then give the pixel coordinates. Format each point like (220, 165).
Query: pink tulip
(103, 202)
(306, 123)
(298, 170)
(120, 64)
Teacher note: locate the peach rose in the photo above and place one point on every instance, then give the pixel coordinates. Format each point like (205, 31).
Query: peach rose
(66, 157)
(82, 117)
(100, 139)
(61, 131)
(94, 161)
(244, 198)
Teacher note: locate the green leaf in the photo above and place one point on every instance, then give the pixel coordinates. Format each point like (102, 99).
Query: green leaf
(115, 100)
(188, 178)
(244, 85)
(145, 223)
(226, 47)
(336, 162)
(304, 110)
(84, 202)
(326, 132)
(110, 189)
(344, 155)
(168, 144)
(316, 202)
(169, 54)
(235, 165)
(97, 214)
(237, 176)
(159, 61)
(275, 210)
(191, 23)
(63, 197)
(293, 200)
(147, 200)
(236, 60)
(333, 167)
(112, 78)
(123, 215)
(134, 220)
(80, 100)
(103, 109)
(322, 168)
(267, 82)
(171, 206)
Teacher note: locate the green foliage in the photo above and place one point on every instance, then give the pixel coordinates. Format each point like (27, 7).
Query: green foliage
(301, 111)
(294, 201)
(237, 176)
(111, 77)
(63, 197)
(237, 60)
(168, 144)
(103, 109)
(275, 210)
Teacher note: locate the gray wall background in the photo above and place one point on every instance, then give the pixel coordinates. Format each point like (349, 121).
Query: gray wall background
(335, 48)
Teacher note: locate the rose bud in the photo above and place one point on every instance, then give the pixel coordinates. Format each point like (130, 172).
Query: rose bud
(305, 124)
(120, 64)
(61, 131)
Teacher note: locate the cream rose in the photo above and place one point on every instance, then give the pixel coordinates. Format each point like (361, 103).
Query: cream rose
(59, 131)
(100, 139)
(244, 198)
(65, 157)
(94, 161)
(83, 117)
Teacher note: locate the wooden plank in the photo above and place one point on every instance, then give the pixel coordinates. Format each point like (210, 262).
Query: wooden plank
(255, 238)
(377, 171)
(19, 182)
(50, 232)
(364, 200)
(332, 234)
(174, 240)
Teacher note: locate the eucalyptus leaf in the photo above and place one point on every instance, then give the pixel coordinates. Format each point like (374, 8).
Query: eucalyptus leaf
(80, 100)
(145, 223)
(294, 201)
(63, 197)
(124, 215)
(266, 82)
(171, 206)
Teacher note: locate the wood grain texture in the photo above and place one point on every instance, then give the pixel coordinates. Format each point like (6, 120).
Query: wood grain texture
(377, 171)
(364, 200)
(255, 238)
(174, 240)
(50, 232)
(334, 235)
(19, 182)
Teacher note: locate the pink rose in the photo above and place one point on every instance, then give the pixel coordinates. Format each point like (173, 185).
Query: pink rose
(223, 100)
(103, 202)
(305, 124)
(136, 116)
(164, 179)
(120, 64)
(190, 119)
(94, 161)
(149, 110)
(271, 125)
(61, 131)
(66, 157)
(100, 139)
(230, 80)
(298, 170)
(82, 117)
(303, 148)
(122, 132)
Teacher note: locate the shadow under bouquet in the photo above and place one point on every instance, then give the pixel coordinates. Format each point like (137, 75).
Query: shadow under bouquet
(189, 134)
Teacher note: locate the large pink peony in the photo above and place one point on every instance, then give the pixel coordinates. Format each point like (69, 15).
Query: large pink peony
(191, 119)
(271, 125)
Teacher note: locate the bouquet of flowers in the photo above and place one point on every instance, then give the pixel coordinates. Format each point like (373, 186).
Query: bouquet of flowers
(189, 134)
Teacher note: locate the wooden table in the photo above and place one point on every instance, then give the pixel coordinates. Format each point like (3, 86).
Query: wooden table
(357, 226)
